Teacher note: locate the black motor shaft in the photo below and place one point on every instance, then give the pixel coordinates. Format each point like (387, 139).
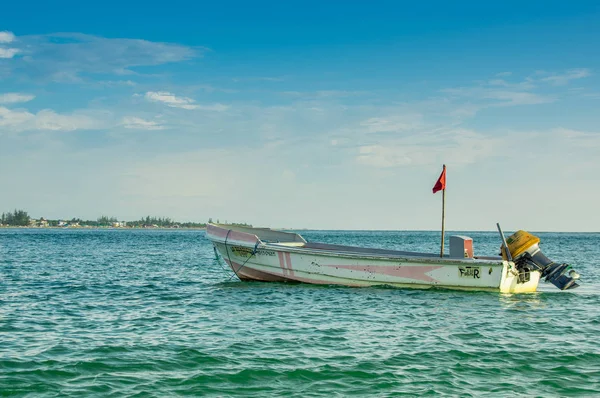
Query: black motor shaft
(560, 275)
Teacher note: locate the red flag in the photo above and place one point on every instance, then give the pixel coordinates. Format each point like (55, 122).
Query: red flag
(441, 182)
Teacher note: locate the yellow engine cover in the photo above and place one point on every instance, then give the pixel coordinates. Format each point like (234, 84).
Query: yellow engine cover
(519, 242)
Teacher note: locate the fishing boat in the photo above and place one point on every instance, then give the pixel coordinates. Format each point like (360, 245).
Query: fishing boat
(263, 254)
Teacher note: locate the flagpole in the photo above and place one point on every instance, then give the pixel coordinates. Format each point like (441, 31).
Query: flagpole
(443, 217)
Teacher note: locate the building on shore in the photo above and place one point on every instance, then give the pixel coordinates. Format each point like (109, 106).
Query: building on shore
(41, 223)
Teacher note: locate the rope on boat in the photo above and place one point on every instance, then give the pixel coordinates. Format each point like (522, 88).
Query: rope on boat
(241, 266)
(227, 251)
(221, 262)
(235, 272)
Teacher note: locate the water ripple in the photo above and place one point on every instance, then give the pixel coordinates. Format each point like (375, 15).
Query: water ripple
(151, 313)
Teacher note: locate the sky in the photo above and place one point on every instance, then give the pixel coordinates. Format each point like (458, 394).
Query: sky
(319, 115)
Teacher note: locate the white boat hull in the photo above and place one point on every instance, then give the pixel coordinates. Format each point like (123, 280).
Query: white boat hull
(252, 259)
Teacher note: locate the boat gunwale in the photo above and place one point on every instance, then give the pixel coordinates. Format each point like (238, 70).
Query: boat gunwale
(355, 255)
(425, 258)
(410, 257)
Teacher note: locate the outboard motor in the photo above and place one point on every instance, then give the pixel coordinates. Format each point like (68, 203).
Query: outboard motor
(527, 256)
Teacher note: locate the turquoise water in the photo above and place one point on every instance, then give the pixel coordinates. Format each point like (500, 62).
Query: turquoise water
(152, 313)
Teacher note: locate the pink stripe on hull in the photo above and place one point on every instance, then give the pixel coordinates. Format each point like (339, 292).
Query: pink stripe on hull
(282, 263)
(249, 274)
(288, 259)
(417, 272)
(246, 273)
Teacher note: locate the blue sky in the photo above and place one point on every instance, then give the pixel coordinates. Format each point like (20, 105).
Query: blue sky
(303, 114)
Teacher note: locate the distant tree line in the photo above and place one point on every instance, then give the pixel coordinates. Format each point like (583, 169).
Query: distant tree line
(159, 222)
(17, 218)
(239, 224)
(21, 218)
(105, 221)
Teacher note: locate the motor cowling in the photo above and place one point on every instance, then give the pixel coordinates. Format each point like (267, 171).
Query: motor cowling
(527, 256)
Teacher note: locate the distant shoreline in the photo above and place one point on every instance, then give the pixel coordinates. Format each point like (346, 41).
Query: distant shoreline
(286, 229)
(90, 227)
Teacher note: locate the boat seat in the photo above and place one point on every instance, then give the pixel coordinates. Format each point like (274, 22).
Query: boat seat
(290, 244)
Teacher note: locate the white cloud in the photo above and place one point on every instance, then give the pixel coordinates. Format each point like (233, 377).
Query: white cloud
(22, 120)
(66, 56)
(213, 107)
(115, 83)
(450, 145)
(458, 146)
(49, 120)
(592, 95)
(383, 156)
(506, 93)
(6, 37)
(13, 98)
(518, 97)
(259, 78)
(320, 94)
(464, 111)
(511, 95)
(132, 122)
(170, 99)
(392, 124)
(182, 102)
(576, 138)
(11, 118)
(565, 78)
(527, 84)
(8, 52)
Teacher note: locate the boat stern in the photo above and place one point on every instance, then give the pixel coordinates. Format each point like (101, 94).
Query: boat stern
(528, 258)
(516, 281)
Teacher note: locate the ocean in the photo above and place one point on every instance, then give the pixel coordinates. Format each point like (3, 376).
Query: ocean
(142, 313)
